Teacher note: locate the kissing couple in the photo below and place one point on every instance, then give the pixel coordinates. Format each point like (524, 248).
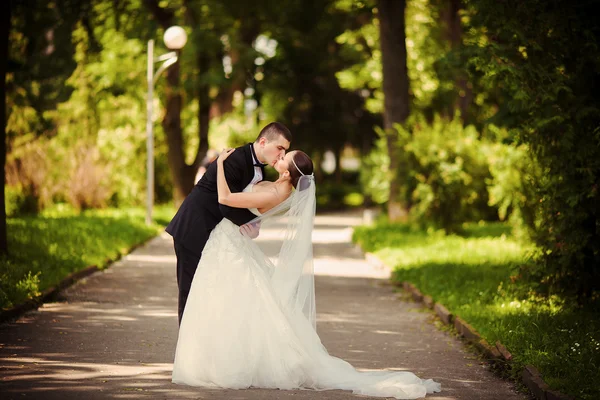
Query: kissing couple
(247, 311)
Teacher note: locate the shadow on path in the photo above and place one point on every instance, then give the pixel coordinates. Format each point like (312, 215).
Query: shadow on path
(113, 335)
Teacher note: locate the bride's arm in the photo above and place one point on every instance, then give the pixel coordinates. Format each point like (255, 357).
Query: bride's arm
(242, 199)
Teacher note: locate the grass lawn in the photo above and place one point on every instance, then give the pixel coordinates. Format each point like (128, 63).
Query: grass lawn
(476, 277)
(45, 248)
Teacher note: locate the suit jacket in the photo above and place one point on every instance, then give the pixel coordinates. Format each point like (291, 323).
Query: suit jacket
(200, 212)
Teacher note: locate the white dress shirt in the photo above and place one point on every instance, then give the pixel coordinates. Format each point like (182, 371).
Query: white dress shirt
(258, 176)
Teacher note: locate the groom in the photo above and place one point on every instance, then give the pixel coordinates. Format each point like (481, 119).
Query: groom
(200, 212)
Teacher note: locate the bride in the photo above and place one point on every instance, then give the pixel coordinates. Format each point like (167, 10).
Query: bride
(249, 320)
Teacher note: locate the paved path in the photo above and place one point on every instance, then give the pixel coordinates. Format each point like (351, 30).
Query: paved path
(113, 335)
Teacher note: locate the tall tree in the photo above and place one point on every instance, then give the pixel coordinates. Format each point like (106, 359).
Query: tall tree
(180, 171)
(545, 55)
(395, 90)
(211, 24)
(4, 32)
(302, 86)
(41, 56)
(450, 14)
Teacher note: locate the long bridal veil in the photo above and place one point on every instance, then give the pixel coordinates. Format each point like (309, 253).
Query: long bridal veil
(250, 318)
(285, 245)
(286, 238)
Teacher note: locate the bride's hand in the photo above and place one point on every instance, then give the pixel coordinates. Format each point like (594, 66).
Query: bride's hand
(224, 154)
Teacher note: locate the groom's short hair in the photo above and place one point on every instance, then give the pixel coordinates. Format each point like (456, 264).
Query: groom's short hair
(273, 130)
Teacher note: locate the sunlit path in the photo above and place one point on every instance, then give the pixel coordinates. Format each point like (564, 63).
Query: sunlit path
(113, 335)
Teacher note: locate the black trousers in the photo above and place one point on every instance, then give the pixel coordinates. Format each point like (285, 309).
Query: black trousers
(187, 262)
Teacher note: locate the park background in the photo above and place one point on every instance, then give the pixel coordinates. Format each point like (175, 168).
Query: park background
(470, 128)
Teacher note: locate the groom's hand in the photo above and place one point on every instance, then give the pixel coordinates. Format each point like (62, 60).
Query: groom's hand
(250, 230)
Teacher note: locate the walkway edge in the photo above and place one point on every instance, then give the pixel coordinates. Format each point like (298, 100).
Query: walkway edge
(20, 309)
(498, 354)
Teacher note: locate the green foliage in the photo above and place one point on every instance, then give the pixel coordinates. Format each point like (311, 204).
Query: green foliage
(478, 278)
(544, 56)
(44, 249)
(16, 286)
(236, 129)
(375, 172)
(27, 177)
(448, 171)
(443, 174)
(108, 107)
(335, 196)
(47, 171)
(512, 187)
(94, 152)
(423, 44)
(28, 286)
(362, 46)
(41, 58)
(19, 201)
(298, 84)
(77, 79)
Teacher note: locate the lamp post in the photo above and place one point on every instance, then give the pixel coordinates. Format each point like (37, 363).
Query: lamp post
(174, 38)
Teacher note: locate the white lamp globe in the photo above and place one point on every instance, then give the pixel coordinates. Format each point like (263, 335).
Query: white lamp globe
(175, 38)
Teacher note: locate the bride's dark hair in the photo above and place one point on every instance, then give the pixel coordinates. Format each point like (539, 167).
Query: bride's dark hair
(303, 163)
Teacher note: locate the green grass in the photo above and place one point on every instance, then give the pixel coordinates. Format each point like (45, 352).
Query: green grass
(476, 277)
(45, 248)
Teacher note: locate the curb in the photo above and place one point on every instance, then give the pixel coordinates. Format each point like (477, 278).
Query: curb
(497, 354)
(32, 304)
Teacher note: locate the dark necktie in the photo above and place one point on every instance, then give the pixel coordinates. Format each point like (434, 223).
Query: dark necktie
(256, 162)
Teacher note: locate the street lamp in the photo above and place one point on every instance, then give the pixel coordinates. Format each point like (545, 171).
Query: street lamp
(174, 38)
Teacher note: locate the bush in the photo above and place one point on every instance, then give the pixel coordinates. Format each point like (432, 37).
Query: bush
(121, 165)
(19, 201)
(29, 186)
(512, 187)
(87, 187)
(550, 89)
(443, 174)
(17, 283)
(375, 172)
(450, 171)
(84, 172)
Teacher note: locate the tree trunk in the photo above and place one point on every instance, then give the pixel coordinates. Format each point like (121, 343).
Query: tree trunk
(181, 173)
(317, 158)
(223, 102)
(4, 32)
(243, 68)
(204, 111)
(366, 146)
(451, 18)
(395, 90)
(339, 177)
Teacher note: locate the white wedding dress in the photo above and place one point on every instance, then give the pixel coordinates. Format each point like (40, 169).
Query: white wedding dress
(237, 332)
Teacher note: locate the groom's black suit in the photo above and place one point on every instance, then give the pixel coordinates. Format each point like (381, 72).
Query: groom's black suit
(200, 212)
